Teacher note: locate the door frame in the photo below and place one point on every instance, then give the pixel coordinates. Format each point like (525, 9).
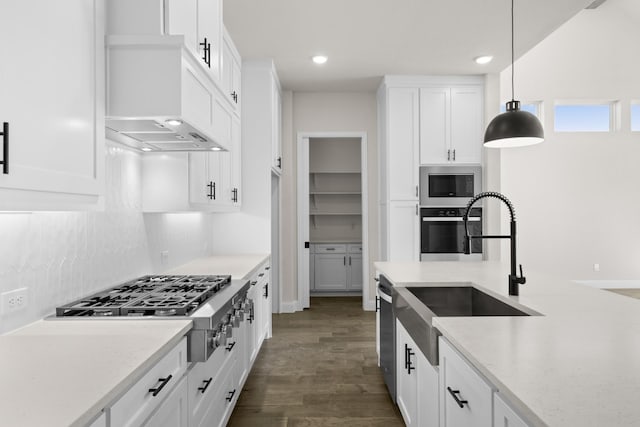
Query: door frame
(303, 213)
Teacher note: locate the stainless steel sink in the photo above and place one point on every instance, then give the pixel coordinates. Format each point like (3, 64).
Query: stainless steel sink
(416, 307)
(462, 301)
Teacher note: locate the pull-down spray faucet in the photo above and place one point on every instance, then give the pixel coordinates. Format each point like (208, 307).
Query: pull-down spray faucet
(514, 279)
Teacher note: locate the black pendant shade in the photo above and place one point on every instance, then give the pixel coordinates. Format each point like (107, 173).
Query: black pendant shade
(513, 128)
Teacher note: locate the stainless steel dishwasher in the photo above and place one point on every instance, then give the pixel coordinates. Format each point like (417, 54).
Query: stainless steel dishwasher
(387, 335)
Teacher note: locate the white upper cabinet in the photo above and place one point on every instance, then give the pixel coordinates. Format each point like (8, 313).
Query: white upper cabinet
(402, 143)
(231, 72)
(451, 124)
(52, 88)
(199, 21)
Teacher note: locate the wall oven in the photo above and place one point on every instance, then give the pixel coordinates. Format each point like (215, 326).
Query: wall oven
(442, 234)
(449, 186)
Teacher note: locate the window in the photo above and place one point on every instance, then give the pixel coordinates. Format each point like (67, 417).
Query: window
(583, 117)
(635, 117)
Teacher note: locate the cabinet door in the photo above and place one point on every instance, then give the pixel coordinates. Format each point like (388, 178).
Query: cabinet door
(331, 272)
(406, 376)
(427, 392)
(435, 106)
(200, 184)
(355, 272)
(403, 144)
(210, 28)
(52, 90)
(236, 162)
(403, 232)
(465, 398)
(466, 124)
(266, 308)
(174, 411)
(503, 415)
(276, 144)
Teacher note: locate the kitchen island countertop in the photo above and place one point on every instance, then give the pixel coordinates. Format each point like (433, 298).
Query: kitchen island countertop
(577, 364)
(64, 372)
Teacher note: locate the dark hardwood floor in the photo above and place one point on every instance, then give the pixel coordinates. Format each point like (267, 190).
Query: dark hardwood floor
(318, 369)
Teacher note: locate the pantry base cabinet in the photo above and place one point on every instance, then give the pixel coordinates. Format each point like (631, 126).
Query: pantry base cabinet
(336, 268)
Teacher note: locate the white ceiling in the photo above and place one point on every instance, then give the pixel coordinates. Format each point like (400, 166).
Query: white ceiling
(366, 39)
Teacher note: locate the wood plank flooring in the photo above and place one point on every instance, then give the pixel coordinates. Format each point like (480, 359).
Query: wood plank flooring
(318, 369)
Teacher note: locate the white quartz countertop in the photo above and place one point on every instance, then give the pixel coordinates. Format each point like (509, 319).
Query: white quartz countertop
(239, 266)
(577, 364)
(64, 372)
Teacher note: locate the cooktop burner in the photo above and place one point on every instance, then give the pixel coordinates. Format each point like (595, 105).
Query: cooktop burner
(149, 296)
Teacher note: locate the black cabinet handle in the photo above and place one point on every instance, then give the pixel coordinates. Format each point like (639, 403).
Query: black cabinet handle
(210, 186)
(5, 148)
(214, 191)
(251, 315)
(231, 394)
(344, 260)
(266, 290)
(205, 385)
(280, 162)
(410, 366)
(261, 274)
(234, 96)
(253, 282)
(206, 48)
(267, 268)
(230, 346)
(454, 394)
(163, 383)
(349, 259)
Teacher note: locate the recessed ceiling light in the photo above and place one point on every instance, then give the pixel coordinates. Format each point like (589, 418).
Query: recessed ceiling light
(319, 59)
(216, 149)
(483, 59)
(173, 122)
(146, 149)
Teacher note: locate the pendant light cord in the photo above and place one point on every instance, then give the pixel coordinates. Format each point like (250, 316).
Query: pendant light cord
(512, 55)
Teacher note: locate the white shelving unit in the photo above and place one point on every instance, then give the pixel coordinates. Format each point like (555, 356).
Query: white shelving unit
(335, 213)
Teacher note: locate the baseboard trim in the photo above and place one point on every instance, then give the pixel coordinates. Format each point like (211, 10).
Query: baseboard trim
(289, 307)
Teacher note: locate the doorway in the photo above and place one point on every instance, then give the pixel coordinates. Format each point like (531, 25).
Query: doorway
(332, 216)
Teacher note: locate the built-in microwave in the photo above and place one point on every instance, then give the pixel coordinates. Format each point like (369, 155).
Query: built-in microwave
(449, 186)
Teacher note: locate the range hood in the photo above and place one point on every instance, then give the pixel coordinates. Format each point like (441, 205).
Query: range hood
(158, 135)
(160, 97)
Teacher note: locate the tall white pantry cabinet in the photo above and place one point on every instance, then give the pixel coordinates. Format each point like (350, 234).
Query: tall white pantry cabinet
(52, 85)
(424, 120)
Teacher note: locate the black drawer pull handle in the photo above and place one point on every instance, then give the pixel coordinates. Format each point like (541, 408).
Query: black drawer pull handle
(455, 393)
(409, 362)
(266, 290)
(5, 148)
(261, 274)
(205, 386)
(230, 397)
(230, 346)
(164, 382)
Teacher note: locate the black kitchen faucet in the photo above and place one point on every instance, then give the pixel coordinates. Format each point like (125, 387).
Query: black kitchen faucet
(514, 279)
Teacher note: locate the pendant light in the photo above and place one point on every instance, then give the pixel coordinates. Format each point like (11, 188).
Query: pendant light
(513, 128)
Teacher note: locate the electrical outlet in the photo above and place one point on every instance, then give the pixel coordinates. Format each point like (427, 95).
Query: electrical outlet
(164, 257)
(14, 300)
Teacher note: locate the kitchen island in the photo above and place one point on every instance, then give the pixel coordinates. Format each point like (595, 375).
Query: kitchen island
(575, 364)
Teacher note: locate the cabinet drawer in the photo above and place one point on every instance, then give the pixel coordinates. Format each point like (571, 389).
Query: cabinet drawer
(224, 397)
(355, 248)
(138, 402)
(465, 397)
(330, 249)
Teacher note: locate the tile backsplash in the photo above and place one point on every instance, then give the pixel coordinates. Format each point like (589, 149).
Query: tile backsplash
(62, 256)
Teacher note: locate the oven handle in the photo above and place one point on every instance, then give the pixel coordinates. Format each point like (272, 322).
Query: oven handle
(447, 219)
(384, 296)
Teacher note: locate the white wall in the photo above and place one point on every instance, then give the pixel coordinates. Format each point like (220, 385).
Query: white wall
(63, 256)
(577, 196)
(326, 112)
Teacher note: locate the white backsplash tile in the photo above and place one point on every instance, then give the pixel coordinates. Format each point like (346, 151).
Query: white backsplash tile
(62, 256)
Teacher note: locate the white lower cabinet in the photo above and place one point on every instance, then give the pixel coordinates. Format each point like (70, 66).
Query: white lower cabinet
(174, 410)
(142, 399)
(465, 397)
(336, 267)
(503, 415)
(416, 382)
